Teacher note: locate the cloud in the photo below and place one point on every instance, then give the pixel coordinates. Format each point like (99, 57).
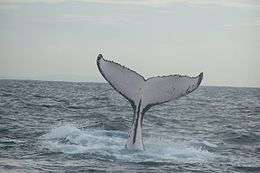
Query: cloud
(228, 3)
(30, 1)
(224, 3)
(252, 22)
(105, 19)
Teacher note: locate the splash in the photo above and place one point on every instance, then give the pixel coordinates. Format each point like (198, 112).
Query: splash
(110, 144)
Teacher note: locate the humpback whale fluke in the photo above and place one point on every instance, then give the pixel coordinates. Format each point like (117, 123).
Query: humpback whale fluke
(144, 93)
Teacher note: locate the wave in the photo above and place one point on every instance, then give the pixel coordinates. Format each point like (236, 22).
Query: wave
(248, 168)
(242, 138)
(110, 144)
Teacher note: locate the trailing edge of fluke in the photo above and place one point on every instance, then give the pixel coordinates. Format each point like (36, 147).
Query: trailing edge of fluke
(144, 93)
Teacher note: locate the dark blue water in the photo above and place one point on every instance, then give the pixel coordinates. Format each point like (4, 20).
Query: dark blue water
(81, 127)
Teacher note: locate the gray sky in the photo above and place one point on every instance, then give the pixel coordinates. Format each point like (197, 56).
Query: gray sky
(60, 39)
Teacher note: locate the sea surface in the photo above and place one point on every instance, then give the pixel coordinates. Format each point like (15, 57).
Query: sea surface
(82, 127)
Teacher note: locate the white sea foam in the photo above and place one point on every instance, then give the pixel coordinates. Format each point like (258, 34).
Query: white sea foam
(61, 132)
(71, 140)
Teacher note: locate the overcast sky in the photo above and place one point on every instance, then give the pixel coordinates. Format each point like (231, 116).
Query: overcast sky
(60, 39)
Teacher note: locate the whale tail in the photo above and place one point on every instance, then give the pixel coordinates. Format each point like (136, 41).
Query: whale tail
(144, 93)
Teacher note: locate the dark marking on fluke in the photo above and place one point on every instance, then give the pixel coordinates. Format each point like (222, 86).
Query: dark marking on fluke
(200, 78)
(136, 120)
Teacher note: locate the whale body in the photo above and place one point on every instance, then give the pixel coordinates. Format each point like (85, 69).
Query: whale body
(144, 93)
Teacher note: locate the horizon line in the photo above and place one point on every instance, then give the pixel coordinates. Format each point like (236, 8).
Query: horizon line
(104, 82)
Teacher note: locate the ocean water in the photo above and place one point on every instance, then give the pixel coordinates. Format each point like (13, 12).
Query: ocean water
(82, 127)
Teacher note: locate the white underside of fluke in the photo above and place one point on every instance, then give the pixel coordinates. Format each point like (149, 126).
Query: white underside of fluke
(144, 93)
